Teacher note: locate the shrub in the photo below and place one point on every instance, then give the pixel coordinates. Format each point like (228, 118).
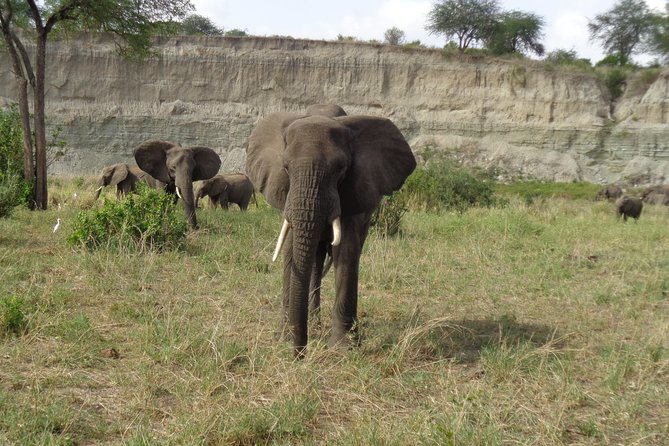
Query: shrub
(443, 186)
(148, 219)
(13, 318)
(14, 190)
(387, 218)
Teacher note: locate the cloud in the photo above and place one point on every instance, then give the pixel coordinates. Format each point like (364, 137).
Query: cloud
(569, 31)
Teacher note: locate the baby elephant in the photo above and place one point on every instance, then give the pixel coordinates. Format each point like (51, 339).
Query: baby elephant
(629, 207)
(226, 188)
(125, 178)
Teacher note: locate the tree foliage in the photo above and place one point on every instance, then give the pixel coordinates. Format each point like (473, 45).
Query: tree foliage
(623, 29)
(658, 41)
(394, 36)
(198, 25)
(517, 32)
(467, 21)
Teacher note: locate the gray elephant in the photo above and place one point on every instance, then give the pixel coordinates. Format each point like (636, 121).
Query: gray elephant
(329, 110)
(178, 167)
(657, 197)
(125, 178)
(328, 176)
(224, 189)
(654, 191)
(609, 192)
(629, 207)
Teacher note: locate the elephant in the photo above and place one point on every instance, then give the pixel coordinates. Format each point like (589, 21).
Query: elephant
(629, 207)
(657, 197)
(226, 188)
(178, 167)
(609, 192)
(328, 175)
(330, 110)
(654, 190)
(125, 178)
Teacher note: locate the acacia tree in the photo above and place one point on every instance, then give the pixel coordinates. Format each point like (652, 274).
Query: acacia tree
(517, 32)
(623, 29)
(200, 25)
(134, 21)
(468, 21)
(659, 35)
(394, 36)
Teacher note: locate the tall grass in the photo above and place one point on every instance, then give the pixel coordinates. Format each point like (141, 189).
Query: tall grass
(539, 323)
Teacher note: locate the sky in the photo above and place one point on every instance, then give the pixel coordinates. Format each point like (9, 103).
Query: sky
(566, 20)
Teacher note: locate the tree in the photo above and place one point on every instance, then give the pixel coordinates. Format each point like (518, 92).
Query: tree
(198, 25)
(135, 21)
(468, 21)
(658, 42)
(517, 32)
(623, 29)
(236, 33)
(394, 36)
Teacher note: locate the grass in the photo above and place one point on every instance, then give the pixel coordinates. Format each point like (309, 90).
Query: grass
(541, 323)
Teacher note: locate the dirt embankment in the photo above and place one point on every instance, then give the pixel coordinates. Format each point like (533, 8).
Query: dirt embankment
(520, 117)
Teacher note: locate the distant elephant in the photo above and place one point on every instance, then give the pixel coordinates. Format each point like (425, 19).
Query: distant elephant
(657, 197)
(609, 192)
(329, 110)
(224, 189)
(178, 166)
(629, 207)
(328, 176)
(125, 178)
(657, 189)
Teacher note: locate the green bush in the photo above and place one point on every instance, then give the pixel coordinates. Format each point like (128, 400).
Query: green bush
(13, 315)
(443, 186)
(387, 218)
(14, 190)
(148, 219)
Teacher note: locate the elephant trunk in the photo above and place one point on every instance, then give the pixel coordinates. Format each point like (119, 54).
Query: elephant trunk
(185, 191)
(307, 212)
(306, 236)
(101, 184)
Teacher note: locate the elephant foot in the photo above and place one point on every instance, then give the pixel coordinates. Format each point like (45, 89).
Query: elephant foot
(345, 340)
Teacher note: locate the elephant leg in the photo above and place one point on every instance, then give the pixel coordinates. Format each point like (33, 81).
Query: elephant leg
(315, 284)
(284, 327)
(213, 202)
(346, 260)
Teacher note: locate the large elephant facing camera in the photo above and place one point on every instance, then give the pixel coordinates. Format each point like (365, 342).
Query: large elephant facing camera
(328, 175)
(178, 166)
(125, 178)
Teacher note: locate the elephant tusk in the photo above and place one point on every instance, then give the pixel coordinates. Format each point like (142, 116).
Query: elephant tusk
(178, 193)
(282, 238)
(99, 189)
(336, 231)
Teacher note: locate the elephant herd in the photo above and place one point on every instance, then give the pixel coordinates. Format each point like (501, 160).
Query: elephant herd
(632, 206)
(326, 171)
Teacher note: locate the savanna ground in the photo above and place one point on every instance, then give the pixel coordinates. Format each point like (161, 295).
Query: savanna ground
(544, 322)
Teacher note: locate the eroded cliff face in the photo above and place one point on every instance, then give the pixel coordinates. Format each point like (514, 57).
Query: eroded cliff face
(517, 117)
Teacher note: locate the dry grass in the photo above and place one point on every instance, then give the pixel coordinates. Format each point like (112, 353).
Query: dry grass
(545, 324)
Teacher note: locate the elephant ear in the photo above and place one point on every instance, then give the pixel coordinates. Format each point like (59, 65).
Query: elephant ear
(119, 173)
(207, 163)
(264, 157)
(151, 157)
(381, 161)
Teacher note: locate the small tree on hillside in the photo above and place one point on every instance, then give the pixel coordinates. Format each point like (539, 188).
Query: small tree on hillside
(623, 29)
(199, 25)
(517, 32)
(394, 36)
(467, 21)
(135, 21)
(658, 42)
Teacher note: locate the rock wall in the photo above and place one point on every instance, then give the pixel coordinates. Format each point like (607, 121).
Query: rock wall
(517, 117)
